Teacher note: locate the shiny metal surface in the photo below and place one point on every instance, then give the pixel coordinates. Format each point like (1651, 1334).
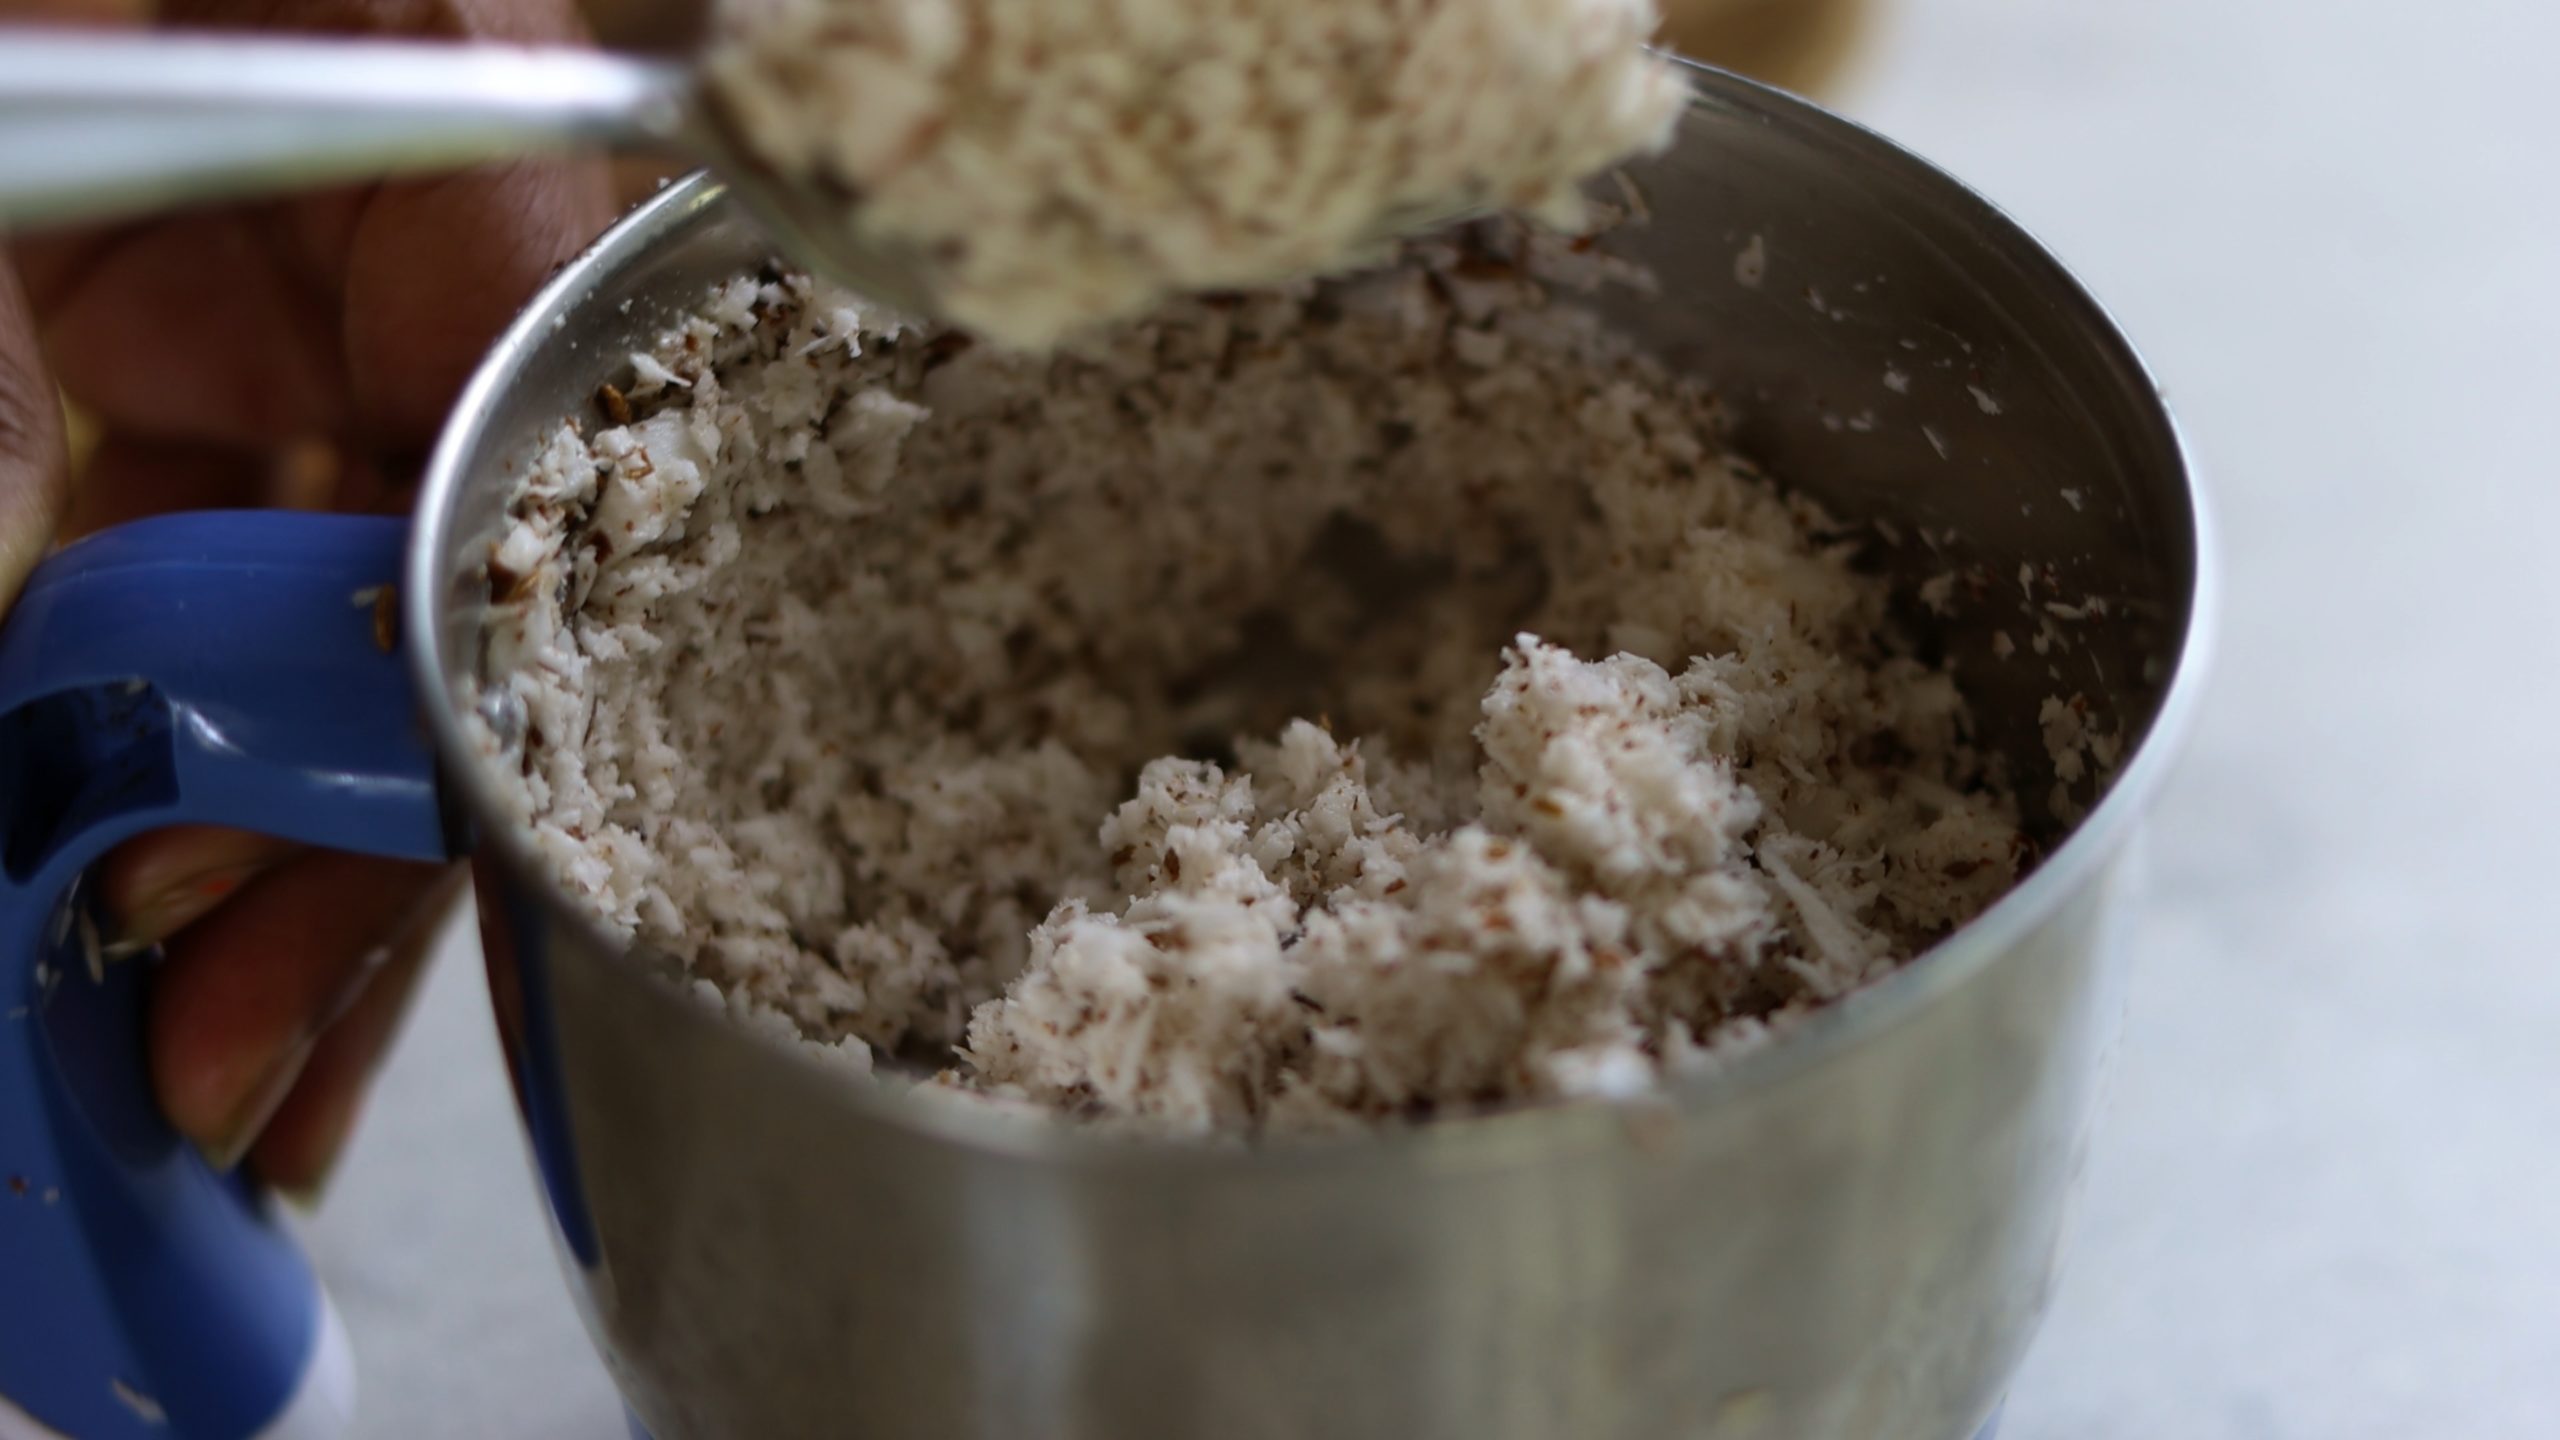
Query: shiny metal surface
(1849, 1235)
(105, 127)
(98, 127)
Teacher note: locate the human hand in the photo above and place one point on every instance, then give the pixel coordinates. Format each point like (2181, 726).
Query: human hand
(300, 352)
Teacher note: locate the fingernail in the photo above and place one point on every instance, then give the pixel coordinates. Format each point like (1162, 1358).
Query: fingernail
(229, 1144)
(169, 908)
(342, 1124)
(300, 1170)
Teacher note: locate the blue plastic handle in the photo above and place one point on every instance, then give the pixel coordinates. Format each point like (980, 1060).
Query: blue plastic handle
(215, 668)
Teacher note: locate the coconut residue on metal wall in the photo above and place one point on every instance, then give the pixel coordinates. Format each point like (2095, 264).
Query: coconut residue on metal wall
(1308, 708)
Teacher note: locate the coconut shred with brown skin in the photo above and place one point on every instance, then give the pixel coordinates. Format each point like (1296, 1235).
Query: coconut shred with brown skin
(1053, 163)
(1312, 708)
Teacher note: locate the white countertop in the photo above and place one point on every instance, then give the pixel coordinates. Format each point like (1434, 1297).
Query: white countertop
(2325, 1202)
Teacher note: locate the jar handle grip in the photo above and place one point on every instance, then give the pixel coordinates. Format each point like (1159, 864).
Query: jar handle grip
(220, 668)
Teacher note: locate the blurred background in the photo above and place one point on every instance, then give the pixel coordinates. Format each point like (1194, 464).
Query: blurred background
(2325, 1197)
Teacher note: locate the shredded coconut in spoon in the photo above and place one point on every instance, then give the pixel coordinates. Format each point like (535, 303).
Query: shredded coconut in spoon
(1053, 163)
(1311, 708)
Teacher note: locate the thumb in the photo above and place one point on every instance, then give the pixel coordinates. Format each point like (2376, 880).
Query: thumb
(33, 480)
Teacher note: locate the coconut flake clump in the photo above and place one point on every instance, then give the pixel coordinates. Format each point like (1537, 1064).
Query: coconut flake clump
(1313, 708)
(1053, 163)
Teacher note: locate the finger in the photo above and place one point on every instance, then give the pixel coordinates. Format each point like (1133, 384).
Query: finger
(426, 275)
(657, 27)
(74, 12)
(301, 1143)
(521, 22)
(157, 884)
(434, 271)
(244, 327)
(366, 485)
(248, 328)
(193, 328)
(128, 477)
(239, 1005)
(33, 482)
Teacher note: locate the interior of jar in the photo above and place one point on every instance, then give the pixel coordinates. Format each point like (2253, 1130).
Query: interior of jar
(891, 682)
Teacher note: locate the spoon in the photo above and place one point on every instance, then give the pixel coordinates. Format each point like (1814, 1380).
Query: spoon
(103, 127)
